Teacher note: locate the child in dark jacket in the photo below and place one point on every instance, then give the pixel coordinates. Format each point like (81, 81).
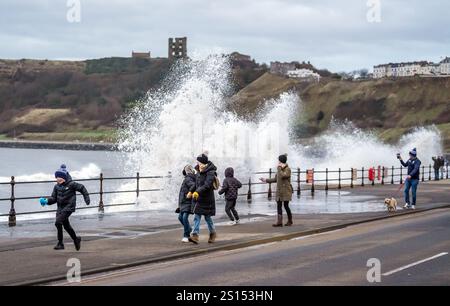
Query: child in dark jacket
(64, 195)
(184, 203)
(230, 187)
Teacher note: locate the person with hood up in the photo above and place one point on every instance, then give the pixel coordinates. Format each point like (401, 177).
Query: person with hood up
(203, 196)
(230, 187)
(284, 190)
(64, 195)
(185, 204)
(412, 180)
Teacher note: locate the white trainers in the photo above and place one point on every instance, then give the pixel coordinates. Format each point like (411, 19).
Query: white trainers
(237, 221)
(406, 206)
(232, 223)
(412, 207)
(185, 240)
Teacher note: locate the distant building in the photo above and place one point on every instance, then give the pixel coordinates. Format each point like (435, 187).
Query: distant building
(140, 55)
(178, 48)
(304, 75)
(236, 56)
(283, 68)
(409, 69)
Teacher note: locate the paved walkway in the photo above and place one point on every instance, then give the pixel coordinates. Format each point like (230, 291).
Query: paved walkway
(29, 260)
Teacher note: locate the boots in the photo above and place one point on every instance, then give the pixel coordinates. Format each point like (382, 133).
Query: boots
(289, 223)
(59, 246)
(193, 238)
(77, 243)
(212, 237)
(279, 221)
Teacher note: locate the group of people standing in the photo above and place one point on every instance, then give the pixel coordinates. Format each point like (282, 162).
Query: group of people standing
(197, 196)
(439, 164)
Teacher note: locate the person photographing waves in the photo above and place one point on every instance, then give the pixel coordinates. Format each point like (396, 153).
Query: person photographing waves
(412, 180)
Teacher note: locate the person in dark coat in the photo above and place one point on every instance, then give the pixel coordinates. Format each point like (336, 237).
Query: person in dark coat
(203, 196)
(184, 203)
(230, 187)
(412, 180)
(436, 167)
(284, 190)
(64, 195)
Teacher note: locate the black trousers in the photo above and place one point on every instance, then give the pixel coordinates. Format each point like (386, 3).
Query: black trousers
(62, 220)
(231, 210)
(286, 207)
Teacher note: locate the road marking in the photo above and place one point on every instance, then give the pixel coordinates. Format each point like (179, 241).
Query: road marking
(414, 264)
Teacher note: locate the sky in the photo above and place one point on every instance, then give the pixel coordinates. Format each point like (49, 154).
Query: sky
(337, 35)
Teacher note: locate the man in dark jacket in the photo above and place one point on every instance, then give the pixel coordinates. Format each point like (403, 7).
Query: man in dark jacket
(230, 187)
(412, 180)
(436, 167)
(204, 200)
(64, 195)
(185, 203)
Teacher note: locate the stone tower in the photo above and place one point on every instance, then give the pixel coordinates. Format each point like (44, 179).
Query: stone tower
(177, 48)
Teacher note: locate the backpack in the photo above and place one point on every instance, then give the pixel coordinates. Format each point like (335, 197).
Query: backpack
(216, 183)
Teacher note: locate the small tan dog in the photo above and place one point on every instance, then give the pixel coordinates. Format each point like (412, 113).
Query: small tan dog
(391, 204)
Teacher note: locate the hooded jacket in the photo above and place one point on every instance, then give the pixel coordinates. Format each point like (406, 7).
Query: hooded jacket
(187, 186)
(230, 185)
(413, 167)
(206, 203)
(284, 187)
(65, 197)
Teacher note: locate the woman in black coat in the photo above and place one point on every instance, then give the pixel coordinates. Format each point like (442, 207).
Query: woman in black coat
(204, 200)
(184, 203)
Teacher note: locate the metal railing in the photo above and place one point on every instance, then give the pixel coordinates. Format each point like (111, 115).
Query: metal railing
(301, 180)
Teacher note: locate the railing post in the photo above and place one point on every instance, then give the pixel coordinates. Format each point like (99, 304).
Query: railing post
(137, 184)
(423, 173)
(401, 175)
(298, 183)
(12, 211)
(382, 176)
(269, 192)
(101, 205)
(362, 177)
(429, 172)
(339, 184)
(351, 178)
(313, 189)
(249, 193)
(447, 172)
(326, 179)
(392, 175)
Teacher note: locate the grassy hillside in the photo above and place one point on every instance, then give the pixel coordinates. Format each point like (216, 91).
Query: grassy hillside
(391, 107)
(79, 100)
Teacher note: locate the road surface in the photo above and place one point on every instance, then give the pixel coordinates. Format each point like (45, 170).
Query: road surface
(412, 250)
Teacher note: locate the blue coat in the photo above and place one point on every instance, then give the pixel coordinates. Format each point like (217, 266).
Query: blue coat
(413, 167)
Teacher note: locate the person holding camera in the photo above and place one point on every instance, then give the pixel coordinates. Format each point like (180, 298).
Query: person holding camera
(412, 180)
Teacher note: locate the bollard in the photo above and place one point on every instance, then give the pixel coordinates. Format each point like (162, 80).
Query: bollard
(12, 211)
(101, 206)
(382, 176)
(401, 175)
(137, 184)
(298, 183)
(362, 177)
(351, 177)
(429, 172)
(249, 193)
(423, 173)
(374, 176)
(269, 192)
(312, 185)
(339, 184)
(392, 175)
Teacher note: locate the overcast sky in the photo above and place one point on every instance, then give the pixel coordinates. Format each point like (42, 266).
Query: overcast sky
(331, 34)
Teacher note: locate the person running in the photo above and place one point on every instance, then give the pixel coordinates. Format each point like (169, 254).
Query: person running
(284, 190)
(230, 187)
(412, 180)
(64, 195)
